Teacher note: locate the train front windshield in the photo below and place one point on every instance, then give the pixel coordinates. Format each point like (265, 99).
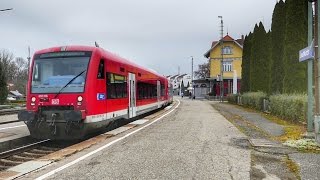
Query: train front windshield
(52, 71)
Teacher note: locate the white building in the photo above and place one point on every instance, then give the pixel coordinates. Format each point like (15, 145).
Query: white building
(180, 83)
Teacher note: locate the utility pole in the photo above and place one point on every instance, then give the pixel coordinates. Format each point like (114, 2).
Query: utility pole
(316, 71)
(310, 66)
(29, 58)
(192, 76)
(316, 54)
(221, 64)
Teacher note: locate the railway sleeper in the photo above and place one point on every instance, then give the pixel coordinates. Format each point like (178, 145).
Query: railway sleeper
(30, 154)
(45, 148)
(41, 151)
(2, 168)
(9, 163)
(22, 158)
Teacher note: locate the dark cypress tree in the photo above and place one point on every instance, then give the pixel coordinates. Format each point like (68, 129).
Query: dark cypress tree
(260, 60)
(3, 85)
(267, 62)
(253, 57)
(277, 47)
(246, 55)
(295, 79)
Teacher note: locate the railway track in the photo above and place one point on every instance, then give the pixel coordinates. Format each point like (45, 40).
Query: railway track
(52, 151)
(29, 152)
(10, 111)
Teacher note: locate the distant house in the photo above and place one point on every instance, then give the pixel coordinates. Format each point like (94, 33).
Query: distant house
(231, 51)
(180, 83)
(14, 95)
(201, 88)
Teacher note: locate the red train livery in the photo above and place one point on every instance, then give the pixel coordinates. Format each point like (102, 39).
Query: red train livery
(76, 90)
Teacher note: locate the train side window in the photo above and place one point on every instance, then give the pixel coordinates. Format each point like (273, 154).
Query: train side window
(116, 86)
(146, 90)
(162, 90)
(101, 70)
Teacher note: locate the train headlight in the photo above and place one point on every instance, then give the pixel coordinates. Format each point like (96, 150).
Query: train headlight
(33, 99)
(80, 98)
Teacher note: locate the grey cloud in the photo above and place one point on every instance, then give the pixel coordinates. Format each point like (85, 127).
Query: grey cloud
(159, 34)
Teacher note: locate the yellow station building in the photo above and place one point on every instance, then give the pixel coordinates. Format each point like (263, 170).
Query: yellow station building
(230, 53)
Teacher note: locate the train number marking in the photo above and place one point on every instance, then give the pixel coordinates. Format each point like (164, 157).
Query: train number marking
(55, 101)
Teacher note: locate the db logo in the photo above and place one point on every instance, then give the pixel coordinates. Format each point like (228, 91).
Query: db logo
(55, 101)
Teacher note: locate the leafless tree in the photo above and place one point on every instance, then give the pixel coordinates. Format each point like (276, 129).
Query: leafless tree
(9, 66)
(203, 71)
(16, 70)
(21, 76)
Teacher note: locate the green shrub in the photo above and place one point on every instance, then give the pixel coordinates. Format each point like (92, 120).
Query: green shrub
(254, 99)
(18, 101)
(232, 98)
(291, 107)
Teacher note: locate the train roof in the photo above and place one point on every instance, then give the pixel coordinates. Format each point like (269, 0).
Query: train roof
(101, 50)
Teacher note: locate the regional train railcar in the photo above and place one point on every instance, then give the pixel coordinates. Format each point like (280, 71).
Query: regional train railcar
(76, 90)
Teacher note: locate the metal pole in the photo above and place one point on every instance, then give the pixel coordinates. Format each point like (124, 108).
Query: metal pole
(29, 58)
(221, 64)
(317, 68)
(310, 64)
(192, 76)
(316, 84)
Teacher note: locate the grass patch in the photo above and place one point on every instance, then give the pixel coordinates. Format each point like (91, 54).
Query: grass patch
(293, 167)
(244, 126)
(293, 131)
(304, 145)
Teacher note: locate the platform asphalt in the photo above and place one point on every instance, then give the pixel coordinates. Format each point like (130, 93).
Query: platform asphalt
(308, 163)
(193, 142)
(6, 119)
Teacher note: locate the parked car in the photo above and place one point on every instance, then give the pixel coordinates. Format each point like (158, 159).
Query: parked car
(11, 98)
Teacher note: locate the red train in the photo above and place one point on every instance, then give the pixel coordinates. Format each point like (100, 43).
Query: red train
(76, 90)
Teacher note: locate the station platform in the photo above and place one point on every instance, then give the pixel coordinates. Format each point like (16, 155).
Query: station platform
(12, 134)
(5, 119)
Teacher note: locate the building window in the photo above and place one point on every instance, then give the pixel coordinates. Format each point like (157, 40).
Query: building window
(226, 50)
(227, 66)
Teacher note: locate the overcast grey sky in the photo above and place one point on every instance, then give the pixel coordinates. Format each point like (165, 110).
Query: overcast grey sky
(158, 34)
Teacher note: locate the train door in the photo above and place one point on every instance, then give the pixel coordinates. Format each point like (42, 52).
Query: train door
(158, 93)
(132, 95)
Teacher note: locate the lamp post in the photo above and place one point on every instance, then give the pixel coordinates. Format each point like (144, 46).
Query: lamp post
(316, 68)
(192, 77)
(221, 64)
(310, 118)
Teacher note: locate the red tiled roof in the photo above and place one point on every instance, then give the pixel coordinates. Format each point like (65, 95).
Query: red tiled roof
(214, 43)
(228, 38)
(240, 41)
(225, 38)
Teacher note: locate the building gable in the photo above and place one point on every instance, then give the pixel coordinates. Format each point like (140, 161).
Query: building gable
(227, 38)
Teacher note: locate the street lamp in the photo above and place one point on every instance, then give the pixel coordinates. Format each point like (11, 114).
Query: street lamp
(192, 76)
(221, 64)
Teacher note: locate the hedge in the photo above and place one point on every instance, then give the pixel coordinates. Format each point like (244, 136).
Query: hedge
(291, 107)
(232, 98)
(254, 99)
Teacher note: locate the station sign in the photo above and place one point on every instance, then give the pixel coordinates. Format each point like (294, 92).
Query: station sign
(306, 53)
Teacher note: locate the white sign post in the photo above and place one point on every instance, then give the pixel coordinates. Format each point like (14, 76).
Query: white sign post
(235, 82)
